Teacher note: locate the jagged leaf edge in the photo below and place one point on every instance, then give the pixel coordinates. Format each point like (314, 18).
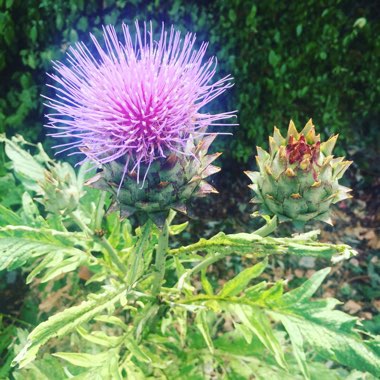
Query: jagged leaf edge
(65, 322)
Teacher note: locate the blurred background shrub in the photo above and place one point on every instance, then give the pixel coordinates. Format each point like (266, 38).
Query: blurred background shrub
(289, 59)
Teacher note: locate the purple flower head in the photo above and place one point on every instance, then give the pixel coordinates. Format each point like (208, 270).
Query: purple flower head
(137, 100)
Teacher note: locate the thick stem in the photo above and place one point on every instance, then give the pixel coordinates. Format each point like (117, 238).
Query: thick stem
(152, 308)
(162, 248)
(134, 263)
(268, 228)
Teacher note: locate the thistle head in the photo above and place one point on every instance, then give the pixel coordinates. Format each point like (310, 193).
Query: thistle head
(298, 179)
(136, 100)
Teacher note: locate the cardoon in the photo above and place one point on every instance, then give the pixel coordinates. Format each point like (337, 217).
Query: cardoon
(134, 108)
(298, 179)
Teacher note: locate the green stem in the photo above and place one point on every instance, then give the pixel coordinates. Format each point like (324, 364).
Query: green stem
(113, 255)
(162, 249)
(268, 228)
(102, 241)
(100, 210)
(152, 308)
(134, 263)
(14, 319)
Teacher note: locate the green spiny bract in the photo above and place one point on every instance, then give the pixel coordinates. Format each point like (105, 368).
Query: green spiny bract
(298, 179)
(61, 189)
(169, 184)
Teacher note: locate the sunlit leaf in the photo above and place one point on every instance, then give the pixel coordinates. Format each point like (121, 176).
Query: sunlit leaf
(297, 341)
(254, 245)
(202, 324)
(65, 322)
(7, 216)
(237, 284)
(329, 332)
(207, 287)
(259, 324)
(178, 228)
(16, 252)
(83, 360)
(136, 350)
(99, 337)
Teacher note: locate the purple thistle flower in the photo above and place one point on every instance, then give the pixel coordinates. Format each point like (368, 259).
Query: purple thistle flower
(134, 100)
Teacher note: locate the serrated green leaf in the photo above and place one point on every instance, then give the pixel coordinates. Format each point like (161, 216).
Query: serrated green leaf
(254, 245)
(99, 337)
(47, 235)
(258, 323)
(28, 243)
(91, 374)
(7, 216)
(112, 320)
(133, 371)
(178, 228)
(28, 169)
(202, 325)
(307, 289)
(83, 360)
(135, 349)
(16, 252)
(329, 332)
(254, 292)
(297, 341)
(206, 283)
(65, 266)
(52, 257)
(46, 368)
(241, 281)
(245, 331)
(234, 343)
(347, 349)
(180, 269)
(29, 210)
(114, 370)
(114, 227)
(273, 293)
(66, 322)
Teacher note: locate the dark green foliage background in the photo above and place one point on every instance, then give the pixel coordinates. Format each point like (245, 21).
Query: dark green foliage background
(290, 59)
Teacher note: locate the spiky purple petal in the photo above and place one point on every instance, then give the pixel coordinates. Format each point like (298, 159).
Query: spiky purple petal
(137, 100)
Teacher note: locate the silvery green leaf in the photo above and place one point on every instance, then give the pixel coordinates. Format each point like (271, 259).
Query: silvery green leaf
(16, 252)
(65, 322)
(203, 326)
(329, 332)
(237, 284)
(83, 360)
